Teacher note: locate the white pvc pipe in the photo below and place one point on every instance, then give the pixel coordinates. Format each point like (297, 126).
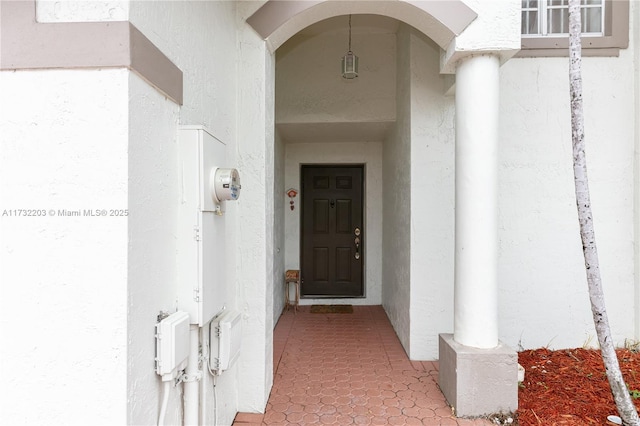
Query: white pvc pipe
(166, 389)
(191, 385)
(202, 401)
(476, 213)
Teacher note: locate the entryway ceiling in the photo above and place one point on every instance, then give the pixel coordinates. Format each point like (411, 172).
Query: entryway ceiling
(374, 131)
(315, 104)
(360, 24)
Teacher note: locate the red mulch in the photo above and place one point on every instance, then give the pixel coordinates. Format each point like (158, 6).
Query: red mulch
(569, 387)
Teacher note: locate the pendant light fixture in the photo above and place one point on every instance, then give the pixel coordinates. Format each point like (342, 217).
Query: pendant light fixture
(349, 61)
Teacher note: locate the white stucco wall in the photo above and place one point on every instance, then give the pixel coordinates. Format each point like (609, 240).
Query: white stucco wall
(396, 240)
(496, 29)
(432, 200)
(64, 139)
(202, 39)
(255, 251)
(541, 268)
(279, 227)
(104, 139)
(367, 153)
(419, 201)
(152, 276)
(81, 10)
(543, 297)
(208, 41)
(540, 258)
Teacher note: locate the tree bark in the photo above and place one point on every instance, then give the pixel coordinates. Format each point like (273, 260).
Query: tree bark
(621, 396)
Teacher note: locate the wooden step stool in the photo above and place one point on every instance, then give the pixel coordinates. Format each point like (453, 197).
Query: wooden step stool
(292, 276)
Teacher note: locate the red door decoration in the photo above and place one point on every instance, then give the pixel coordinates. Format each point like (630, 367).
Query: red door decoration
(292, 194)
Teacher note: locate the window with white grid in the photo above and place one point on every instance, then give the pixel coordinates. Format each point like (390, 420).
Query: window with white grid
(551, 17)
(545, 27)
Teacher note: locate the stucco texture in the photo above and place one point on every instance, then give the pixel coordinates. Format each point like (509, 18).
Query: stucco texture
(541, 262)
(85, 291)
(64, 144)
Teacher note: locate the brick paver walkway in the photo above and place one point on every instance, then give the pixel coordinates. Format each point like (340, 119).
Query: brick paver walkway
(344, 369)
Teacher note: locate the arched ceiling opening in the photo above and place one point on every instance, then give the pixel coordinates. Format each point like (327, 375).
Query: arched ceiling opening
(441, 20)
(315, 111)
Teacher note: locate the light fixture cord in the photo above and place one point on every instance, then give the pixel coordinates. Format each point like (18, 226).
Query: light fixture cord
(349, 33)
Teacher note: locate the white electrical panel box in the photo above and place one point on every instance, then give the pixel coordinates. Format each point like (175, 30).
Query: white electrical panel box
(225, 336)
(172, 345)
(201, 226)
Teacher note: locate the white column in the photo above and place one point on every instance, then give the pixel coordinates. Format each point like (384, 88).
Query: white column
(476, 246)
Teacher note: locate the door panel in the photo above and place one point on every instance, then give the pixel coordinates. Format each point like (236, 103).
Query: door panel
(332, 262)
(320, 216)
(343, 217)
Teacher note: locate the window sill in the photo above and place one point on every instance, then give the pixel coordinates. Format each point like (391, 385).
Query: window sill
(559, 46)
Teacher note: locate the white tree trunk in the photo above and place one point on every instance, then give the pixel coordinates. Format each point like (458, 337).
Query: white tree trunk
(625, 406)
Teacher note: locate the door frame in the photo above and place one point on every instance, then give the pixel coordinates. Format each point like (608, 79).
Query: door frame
(363, 166)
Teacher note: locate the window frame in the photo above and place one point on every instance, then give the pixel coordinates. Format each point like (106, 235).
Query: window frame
(615, 36)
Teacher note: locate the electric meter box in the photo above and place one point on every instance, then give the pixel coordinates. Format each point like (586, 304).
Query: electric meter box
(225, 184)
(201, 225)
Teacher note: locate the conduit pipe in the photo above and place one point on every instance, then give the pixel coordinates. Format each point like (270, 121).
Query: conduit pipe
(166, 389)
(191, 386)
(204, 358)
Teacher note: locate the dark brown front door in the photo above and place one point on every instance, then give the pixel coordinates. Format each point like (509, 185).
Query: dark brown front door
(332, 232)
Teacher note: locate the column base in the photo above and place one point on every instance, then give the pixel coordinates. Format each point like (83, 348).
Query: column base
(478, 382)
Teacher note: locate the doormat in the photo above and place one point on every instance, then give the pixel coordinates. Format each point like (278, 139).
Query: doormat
(331, 309)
